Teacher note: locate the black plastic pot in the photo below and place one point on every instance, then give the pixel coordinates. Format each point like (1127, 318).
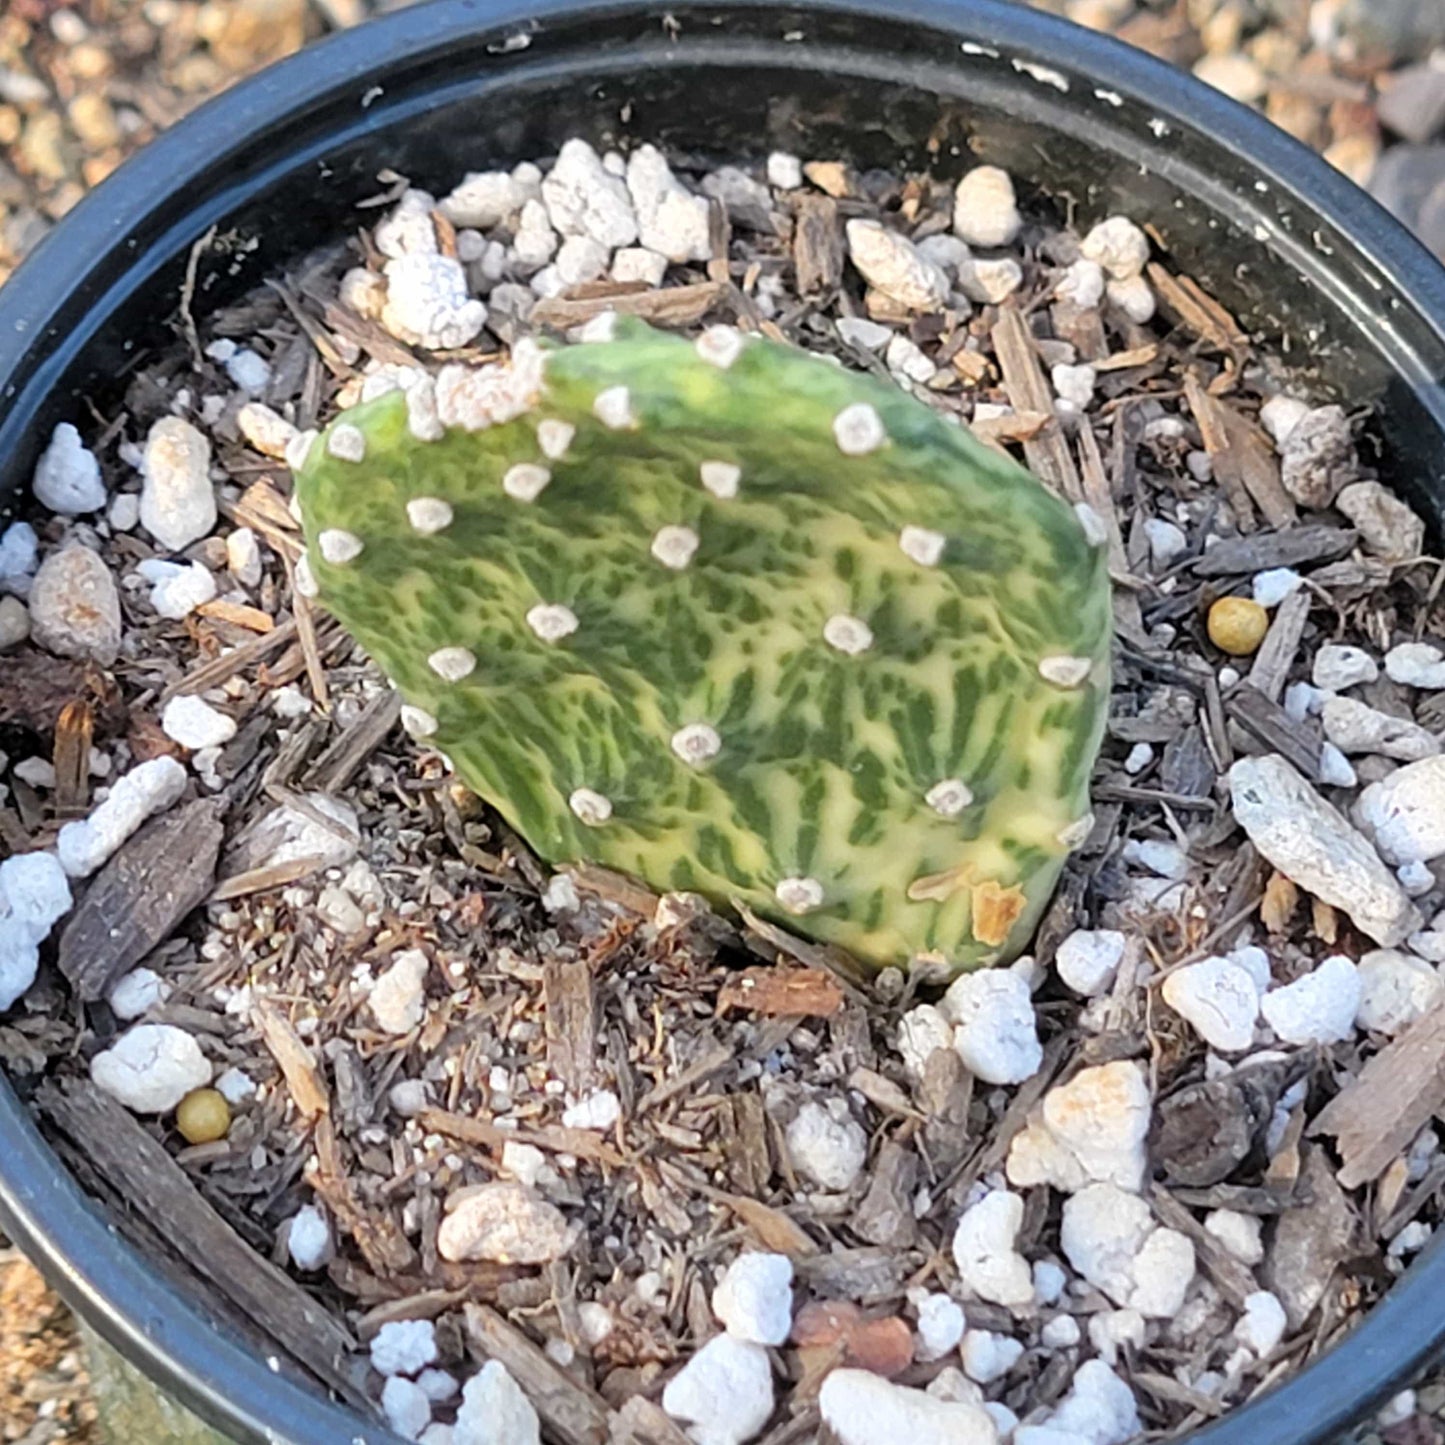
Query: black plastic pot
(1302, 257)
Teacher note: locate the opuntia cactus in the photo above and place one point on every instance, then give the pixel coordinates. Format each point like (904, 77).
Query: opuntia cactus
(731, 619)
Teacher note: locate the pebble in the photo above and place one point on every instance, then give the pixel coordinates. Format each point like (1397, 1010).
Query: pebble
(1110, 1236)
(439, 1385)
(1337, 666)
(984, 1250)
(1356, 727)
(1335, 768)
(1218, 999)
(408, 229)
(1081, 285)
(1060, 1333)
(827, 1144)
(1262, 1325)
(906, 358)
(505, 1223)
(892, 263)
(428, 303)
(137, 993)
(996, 1034)
(14, 622)
(34, 894)
(1280, 415)
(1134, 297)
(1415, 878)
(193, 723)
(1074, 384)
(1312, 845)
(581, 259)
(491, 198)
(784, 171)
(1416, 664)
(308, 1242)
(754, 1298)
(495, 1411)
(583, 199)
(19, 556)
(243, 557)
(1318, 1008)
(725, 1391)
(985, 209)
(1387, 526)
(177, 503)
(988, 1356)
(1109, 1330)
(1119, 246)
(147, 789)
(1099, 1408)
(1270, 588)
(1405, 815)
(67, 476)
(670, 219)
(1088, 959)
(600, 1110)
(1318, 457)
(74, 606)
(990, 282)
(863, 1409)
(1163, 859)
(404, 1347)
(151, 1068)
(636, 263)
(176, 589)
(398, 997)
(1240, 1234)
(922, 1031)
(406, 1407)
(1139, 758)
(1395, 989)
(867, 335)
(235, 1086)
(940, 1326)
(265, 430)
(1166, 542)
(249, 370)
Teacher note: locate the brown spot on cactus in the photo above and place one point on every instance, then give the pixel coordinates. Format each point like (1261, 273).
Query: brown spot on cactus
(589, 659)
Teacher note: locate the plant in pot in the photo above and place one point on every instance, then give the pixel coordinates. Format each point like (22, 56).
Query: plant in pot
(564, 1044)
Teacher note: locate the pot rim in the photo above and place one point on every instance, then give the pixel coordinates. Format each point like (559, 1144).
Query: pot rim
(42, 1207)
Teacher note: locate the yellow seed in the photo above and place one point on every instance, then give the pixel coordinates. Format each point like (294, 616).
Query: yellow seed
(1237, 625)
(203, 1116)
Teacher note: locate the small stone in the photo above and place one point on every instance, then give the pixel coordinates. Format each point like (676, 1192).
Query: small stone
(135, 994)
(308, 1243)
(1237, 625)
(1074, 384)
(495, 1411)
(504, 1223)
(243, 557)
(177, 504)
(1318, 457)
(863, 1409)
(1387, 526)
(1135, 298)
(1111, 1238)
(193, 723)
(1335, 769)
(784, 171)
(1099, 1409)
(637, 263)
(581, 259)
(1395, 989)
(892, 263)
(1218, 999)
(827, 1145)
(1240, 1234)
(151, 1068)
(583, 199)
(1337, 667)
(906, 359)
(988, 1356)
(1415, 878)
(1416, 664)
(754, 1298)
(866, 335)
(1355, 727)
(990, 282)
(985, 208)
(147, 789)
(940, 1326)
(1262, 1325)
(1405, 814)
(429, 304)
(249, 370)
(1081, 285)
(996, 1033)
(67, 476)
(725, 1391)
(14, 622)
(234, 1086)
(984, 1250)
(670, 219)
(74, 606)
(1270, 588)
(404, 1347)
(1166, 542)
(1119, 246)
(1318, 1008)
(398, 997)
(600, 1110)
(19, 556)
(922, 1032)
(406, 1407)
(1164, 859)
(176, 589)
(1088, 958)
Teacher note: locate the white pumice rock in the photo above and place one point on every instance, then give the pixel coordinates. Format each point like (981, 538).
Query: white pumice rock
(1255, 962)
(495, 1411)
(286, 834)
(235, 1086)
(1218, 999)
(906, 358)
(940, 1326)
(249, 370)
(827, 1145)
(406, 1407)
(599, 1110)
(1280, 415)
(1428, 944)
(1110, 1236)
(1118, 246)
(922, 1031)
(1355, 727)
(862, 1408)
(1387, 526)
(34, 895)
(535, 242)
(1082, 284)
(996, 1033)
(74, 606)
(754, 1298)
(1318, 457)
(1302, 700)
(892, 263)
(990, 280)
(1262, 1325)
(67, 476)
(1139, 758)
(1405, 814)
(265, 430)
(988, 1356)
(724, 1392)
(193, 723)
(428, 303)
(363, 291)
(866, 335)
(1318, 1008)
(14, 622)
(984, 1250)
(1050, 1281)
(408, 229)
(784, 171)
(1074, 384)
(1395, 989)
(438, 1385)
(308, 1242)
(504, 1223)
(1415, 878)
(147, 789)
(1337, 666)
(948, 251)
(670, 219)
(1270, 588)
(1240, 1234)
(1135, 298)
(581, 259)
(1110, 1330)
(1312, 845)
(177, 502)
(404, 1347)
(151, 1068)
(1060, 1333)
(1416, 664)
(243, 557)
(584, 199)
(985, 208)
(124, 511)
(637, 263)
(19, 557)
(177, 589)
(1163, 858)
(1336, 770)
(1166, 542)
(137, 993)
(1099, 1408)
(398, 997)
(487, 198)
(1090, 1129)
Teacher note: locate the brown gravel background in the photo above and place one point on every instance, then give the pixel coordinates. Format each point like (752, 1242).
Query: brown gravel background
(84, 84)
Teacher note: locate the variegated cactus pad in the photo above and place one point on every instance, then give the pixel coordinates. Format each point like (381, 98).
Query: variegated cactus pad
(732, 619)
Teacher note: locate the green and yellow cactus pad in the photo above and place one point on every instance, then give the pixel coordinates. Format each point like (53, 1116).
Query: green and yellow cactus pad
(731, 619)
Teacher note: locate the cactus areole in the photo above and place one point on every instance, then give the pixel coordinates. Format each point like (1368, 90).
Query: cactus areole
(731, 619)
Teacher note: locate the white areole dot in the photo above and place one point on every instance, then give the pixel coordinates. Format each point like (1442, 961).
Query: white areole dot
(858, 429)
(1095, 532)
(1073, 834)
(339, 547)
(721, 478)
(452, 664)
(613, 408)
(417, 721)
(921, 545)
(305, 577)
(696, 743)
(1065, 671)
(554, 436)
(602, 327)
(720, 345)
(526, 481)
(347, 443)
(847, 634)
(551, 621)
(799, 895)
(429, 514)
(590, 807)
(674, 546)
(949, 798)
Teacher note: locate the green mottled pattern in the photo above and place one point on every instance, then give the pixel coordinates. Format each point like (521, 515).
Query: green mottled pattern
(825, 757)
